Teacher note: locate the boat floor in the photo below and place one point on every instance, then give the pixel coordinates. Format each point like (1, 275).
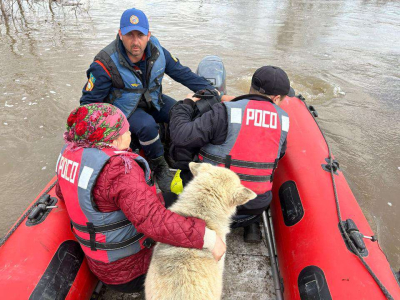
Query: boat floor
(247, 274)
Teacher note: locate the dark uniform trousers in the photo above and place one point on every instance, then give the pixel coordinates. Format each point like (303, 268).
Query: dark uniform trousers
(144, 125)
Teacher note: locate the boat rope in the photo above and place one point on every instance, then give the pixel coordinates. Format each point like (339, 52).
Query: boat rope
(349, 240)
(6, 237)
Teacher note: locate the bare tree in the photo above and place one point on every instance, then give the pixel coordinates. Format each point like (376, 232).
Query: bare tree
(50, 8)
(3, 11)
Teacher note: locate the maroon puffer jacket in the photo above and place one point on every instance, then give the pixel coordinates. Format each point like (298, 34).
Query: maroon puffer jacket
(130, 193)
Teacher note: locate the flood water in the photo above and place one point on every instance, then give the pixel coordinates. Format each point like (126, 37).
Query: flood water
(342, 56)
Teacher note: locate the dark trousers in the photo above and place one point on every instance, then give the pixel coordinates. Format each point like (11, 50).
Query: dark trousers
(186, 177)
(244, 220)
(134, 286)
(137, 285)
(143, 123)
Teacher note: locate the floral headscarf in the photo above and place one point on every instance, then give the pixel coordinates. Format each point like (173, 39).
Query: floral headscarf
(95, 126)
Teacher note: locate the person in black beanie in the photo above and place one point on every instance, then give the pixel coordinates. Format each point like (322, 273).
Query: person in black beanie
(246, 134)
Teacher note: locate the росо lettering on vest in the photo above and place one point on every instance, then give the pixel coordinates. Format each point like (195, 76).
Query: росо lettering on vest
(67, 172)
(262, 118)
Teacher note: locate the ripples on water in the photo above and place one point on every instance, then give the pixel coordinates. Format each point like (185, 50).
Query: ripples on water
(343, 56)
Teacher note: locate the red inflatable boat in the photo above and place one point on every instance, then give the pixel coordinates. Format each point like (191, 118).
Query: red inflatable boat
(323, 252)
(40, 258)
(316, 258)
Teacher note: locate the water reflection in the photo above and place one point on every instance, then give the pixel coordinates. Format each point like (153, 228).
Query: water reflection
(311, 21)
(28, 24)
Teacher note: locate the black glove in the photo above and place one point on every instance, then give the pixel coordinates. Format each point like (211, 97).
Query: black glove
(207, 94)
(207, 99)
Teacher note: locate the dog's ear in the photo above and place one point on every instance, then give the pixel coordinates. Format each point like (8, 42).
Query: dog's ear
(194, 168)
(197, 168)
(242, 195)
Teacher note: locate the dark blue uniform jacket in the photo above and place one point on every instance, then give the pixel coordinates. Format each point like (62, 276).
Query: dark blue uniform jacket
(173, 68)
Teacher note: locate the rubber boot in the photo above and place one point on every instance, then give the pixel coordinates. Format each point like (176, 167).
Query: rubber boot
(252, 233)
(162, 175)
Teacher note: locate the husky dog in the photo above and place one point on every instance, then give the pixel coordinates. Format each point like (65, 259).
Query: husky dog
(188, 274)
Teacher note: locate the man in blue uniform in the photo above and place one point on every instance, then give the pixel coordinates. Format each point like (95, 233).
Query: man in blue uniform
(128, 73)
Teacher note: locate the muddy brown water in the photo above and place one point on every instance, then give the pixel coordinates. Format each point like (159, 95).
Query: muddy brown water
(342, 56)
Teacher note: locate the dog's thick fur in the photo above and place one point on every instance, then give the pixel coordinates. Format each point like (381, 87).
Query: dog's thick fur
(183, 273)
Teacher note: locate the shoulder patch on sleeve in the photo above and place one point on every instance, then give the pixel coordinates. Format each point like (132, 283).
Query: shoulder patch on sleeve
(174, 58)
(90, 83)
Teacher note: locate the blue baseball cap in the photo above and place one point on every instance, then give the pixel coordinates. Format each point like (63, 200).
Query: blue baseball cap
(134, 19)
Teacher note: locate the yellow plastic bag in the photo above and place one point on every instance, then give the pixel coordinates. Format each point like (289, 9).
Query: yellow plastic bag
(176, 184)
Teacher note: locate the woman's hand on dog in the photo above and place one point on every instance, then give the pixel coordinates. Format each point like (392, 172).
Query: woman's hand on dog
(219, 249)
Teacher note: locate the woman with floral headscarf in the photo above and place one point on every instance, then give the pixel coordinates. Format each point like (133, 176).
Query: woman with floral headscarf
(115, 212)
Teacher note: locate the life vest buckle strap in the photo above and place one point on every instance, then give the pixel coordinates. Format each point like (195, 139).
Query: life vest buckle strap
(136, 91)
(273, 170)
(92, 234)
(228, 161)
(115, 94)
(109, 246)
(238, 163)
(147, 96)
(150, 181)
(254, 178)
(103, 228)
(276, 163)
(158, 81)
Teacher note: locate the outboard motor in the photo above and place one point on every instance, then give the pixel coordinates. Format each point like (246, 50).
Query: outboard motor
(213, 70)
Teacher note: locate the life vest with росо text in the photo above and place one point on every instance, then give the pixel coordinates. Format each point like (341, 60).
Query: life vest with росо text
(127, 86)
(256, 132)
(104, 236)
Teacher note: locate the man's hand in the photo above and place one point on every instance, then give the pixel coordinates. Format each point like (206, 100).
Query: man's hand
(226, 98)
(219, 248)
